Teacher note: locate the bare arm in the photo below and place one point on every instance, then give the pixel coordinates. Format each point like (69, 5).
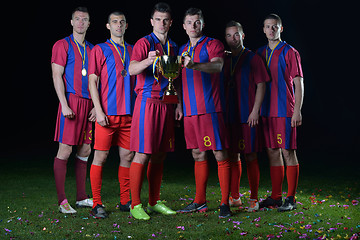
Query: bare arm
(93, 88)
(57, 73)
(214, 66)
(253, 119)
(296, 119)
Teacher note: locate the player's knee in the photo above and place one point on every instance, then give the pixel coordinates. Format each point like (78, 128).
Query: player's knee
(100, 157)
(198, 155)
(84, 150)
(64, 151)
(126, 156)
(220, 155)
(290, 157)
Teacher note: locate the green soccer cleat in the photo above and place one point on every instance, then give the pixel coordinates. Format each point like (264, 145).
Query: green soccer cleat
(160, 208)
(138, 213)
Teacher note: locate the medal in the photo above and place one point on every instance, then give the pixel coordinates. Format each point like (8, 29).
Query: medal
(83, 72)
(123, 73)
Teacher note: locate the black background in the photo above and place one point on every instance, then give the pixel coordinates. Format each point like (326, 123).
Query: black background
(324, 34)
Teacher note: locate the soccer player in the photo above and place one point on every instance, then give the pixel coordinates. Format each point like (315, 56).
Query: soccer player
(152, 130)
(281, 112)
(245, 76)
(204, 126)
(112, 91)
(69, 64)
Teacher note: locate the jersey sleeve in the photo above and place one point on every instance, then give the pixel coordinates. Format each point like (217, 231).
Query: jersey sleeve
(293, 63)
(258, 70)
(96, 61)
(59, 53)
(140, 50)
(216, 49)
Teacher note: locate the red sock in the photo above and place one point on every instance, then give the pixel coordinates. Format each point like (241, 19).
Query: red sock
(154, 175)
(292, 176)
(201, 170)
(253, 177)
(80, 172)
(96, 181)
(136, 174)
(236, 171)
(224, 180)
(124, 181)
(60, 175)
(277, 178)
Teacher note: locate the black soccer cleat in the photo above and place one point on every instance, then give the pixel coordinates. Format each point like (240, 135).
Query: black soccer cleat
(194, 207)
(270, 203)
(99, 212)
(289, 204)
(224, 211)
(126, 207)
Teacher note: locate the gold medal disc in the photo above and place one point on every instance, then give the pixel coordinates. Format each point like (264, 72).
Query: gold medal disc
(83, 72)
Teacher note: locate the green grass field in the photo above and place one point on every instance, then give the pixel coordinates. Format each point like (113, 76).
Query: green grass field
(328, 206)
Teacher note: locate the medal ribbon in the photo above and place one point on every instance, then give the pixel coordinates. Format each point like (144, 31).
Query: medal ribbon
(231, 62)
(122, 60)
(268, 59)
(157, 60)
(82, 58)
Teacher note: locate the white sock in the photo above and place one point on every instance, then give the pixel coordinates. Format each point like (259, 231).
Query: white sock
(82, 158)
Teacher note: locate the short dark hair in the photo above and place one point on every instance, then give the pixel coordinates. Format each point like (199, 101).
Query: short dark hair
(161, 7)
(194, 11)
(80, 9)
(116, 13)
(275, 17)
(233, 23)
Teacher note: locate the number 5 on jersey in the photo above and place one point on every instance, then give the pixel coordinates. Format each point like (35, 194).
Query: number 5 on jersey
(279, 139)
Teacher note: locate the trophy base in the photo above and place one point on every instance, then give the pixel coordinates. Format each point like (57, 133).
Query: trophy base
(170, 99)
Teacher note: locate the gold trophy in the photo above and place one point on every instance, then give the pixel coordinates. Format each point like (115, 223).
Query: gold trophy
(170, 67)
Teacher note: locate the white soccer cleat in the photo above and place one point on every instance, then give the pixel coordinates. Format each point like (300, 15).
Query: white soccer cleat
(254, 205)
(85, 203)
(234, 202)
(66, 208)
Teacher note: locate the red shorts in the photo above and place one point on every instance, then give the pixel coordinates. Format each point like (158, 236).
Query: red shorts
(117, 133)
(78, 130)
(278, 132)
(245, 139)
(206, 132)
(152, 127)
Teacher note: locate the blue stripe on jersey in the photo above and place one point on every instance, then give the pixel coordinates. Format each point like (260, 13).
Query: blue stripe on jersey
(62, 120)
(69, 68)
(127, 81)
(191, 90)
(244, 89)
(287, 132)
(215, 123)
(111, 71)
(85, 80)
(282, 89)
(206, 79)
(141, 126)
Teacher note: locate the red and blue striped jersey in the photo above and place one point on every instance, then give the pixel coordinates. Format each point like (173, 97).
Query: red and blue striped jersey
(66, 53)
(146, 84)
(284, 65)
(248, 71)
(202, 92)
(116, 92)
